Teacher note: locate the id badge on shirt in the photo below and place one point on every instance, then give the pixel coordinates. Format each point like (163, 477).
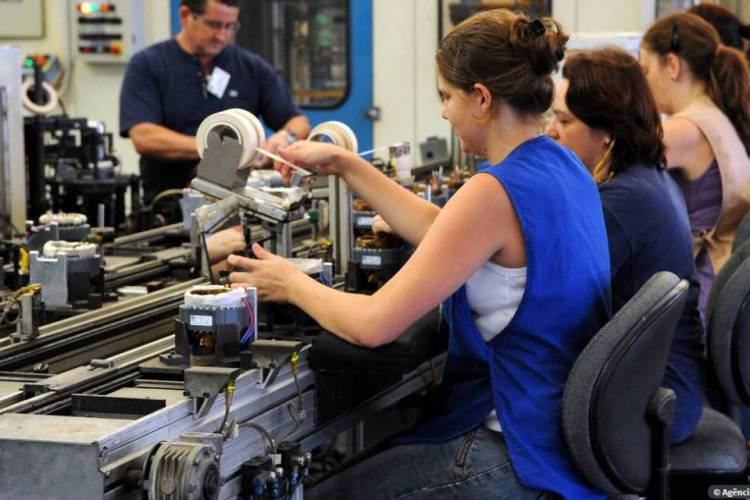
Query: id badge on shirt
(218, 81)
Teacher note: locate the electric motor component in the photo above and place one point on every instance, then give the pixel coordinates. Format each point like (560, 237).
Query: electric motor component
(378, 240)
(360, 205)
(185, 471)
(214, 321)
(214, 296)
(63, 219)
(75, 249)
(68, 272)
(59, 226)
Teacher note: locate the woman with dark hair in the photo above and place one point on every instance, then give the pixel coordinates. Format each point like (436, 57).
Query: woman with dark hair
(704, 87)
(731, 30)
(531, 230)
(604, 112)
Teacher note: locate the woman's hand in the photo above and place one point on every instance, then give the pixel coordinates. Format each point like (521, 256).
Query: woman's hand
(381, 226)
(272, 275)
(318, 157)
(274, 144)
(225, 242)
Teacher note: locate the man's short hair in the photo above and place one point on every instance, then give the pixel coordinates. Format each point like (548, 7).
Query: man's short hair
(199, 6)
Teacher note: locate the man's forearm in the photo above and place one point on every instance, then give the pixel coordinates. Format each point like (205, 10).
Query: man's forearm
(155, 140)
(299, 125)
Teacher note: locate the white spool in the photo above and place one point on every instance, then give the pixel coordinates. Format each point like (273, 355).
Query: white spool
(70, 248)
(63, 219)
(39, 109)
(242, 124)
(218, 296)
(337, 133)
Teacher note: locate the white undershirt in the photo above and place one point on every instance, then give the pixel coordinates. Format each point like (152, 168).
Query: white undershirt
(494, 293)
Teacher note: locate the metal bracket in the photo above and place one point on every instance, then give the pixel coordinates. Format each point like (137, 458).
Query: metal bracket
(30, 317)
(223, 152)
(218, 177)
(269, 356)
(204, 383)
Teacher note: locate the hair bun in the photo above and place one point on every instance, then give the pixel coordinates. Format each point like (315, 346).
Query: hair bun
(543, 40)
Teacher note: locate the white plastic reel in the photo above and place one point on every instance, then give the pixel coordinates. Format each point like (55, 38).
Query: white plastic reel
(337, 133)
(239, 124)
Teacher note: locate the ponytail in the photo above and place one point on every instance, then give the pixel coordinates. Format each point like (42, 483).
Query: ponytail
(729, 88)
(724, 69)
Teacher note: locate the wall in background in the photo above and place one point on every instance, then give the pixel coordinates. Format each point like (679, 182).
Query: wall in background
(405, 36)
(595, 16)
(405, 39)
(95, 88)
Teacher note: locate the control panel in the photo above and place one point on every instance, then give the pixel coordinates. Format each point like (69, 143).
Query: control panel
(49, 63)
(108, 31)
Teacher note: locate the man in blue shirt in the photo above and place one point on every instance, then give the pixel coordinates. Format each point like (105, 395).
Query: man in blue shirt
(170, 87)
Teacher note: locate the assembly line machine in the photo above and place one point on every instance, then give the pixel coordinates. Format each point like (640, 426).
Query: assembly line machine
(193, 390)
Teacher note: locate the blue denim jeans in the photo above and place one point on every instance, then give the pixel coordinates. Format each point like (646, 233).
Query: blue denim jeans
(475, 465)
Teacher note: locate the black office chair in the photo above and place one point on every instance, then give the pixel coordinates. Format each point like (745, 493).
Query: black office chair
(740, 253)
(742, 235)
(616, 418)
(716, 453)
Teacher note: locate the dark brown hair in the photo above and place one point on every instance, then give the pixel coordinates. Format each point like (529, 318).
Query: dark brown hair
(608, 91)
(510, 54)
(730, 29)
(199, 6)
(723, 68)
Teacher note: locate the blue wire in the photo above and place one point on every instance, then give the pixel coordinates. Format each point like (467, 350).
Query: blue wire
(246, 336)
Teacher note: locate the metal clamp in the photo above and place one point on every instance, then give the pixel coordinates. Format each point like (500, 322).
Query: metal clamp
(270, 356)
(204, 383)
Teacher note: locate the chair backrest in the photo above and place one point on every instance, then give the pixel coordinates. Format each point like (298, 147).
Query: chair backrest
(739, 255)
(742, 235)
(729, 332)
(612, 382)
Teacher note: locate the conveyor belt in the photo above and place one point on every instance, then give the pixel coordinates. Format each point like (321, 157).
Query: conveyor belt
(70, 342)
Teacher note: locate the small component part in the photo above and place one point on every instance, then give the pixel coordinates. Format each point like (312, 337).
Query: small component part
(29, 314)
(63, 219)
(132, 291)
(378, 240)
(40, 368)
(361, 205)
(101, 363)
(214, 296)
(74, 249)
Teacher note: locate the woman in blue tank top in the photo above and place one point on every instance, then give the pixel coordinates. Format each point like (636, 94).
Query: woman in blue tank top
(536, 207)
(604, 112)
